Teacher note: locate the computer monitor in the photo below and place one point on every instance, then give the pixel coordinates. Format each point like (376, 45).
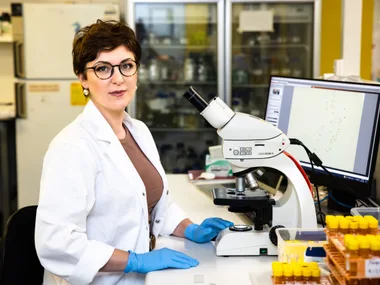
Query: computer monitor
(337, 120)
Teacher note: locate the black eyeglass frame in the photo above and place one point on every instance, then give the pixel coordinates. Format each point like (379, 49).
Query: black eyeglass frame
(113, 66)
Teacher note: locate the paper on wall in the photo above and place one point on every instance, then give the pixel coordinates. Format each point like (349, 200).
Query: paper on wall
(256, 21)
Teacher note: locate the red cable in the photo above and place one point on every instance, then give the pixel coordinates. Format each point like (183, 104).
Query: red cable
(302, 171)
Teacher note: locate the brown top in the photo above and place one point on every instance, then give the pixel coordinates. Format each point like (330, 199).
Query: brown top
(148, 173)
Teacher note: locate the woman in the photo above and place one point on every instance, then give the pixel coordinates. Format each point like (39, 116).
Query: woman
(104, 195)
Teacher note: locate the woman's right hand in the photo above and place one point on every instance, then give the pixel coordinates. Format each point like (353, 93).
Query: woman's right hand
(157, 260)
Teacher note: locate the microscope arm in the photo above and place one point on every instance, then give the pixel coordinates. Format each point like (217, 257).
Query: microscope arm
(296, 207)
(302, 171)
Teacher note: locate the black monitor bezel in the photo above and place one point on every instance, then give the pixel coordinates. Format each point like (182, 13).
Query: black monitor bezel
(361, 189)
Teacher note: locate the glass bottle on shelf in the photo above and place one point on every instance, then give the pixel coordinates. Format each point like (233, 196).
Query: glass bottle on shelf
(257, 71)
(295, 36)
(251, 41)
(183, 41)
(296, 67)
(202, 70)
(154, 70)
(280, 38)
(143, 73)
(167, 41)
(189, 69)
(173, 69)
(237, 104)
(242, 76)
(152, 39)
(240, 73)
(263, 38)
(141, 32)
(164, 70)
(285, 69)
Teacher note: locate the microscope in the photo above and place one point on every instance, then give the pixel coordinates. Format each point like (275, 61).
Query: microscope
(251, 144)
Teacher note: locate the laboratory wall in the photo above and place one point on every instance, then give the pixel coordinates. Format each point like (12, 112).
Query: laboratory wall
(331, 23)
(331, 36)
(376, 43)
(121, 3)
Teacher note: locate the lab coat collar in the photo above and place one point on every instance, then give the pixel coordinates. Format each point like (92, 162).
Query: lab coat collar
(99, 125)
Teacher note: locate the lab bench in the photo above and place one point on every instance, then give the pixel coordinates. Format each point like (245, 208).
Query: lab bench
(212, 269)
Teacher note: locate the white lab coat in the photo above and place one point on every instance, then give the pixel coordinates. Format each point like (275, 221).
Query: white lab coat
(92, 200)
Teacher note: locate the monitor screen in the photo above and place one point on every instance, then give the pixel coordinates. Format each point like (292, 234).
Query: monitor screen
(336, 120)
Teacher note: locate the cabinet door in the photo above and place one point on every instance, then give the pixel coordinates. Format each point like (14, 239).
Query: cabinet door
(180, 47)
(278, 40)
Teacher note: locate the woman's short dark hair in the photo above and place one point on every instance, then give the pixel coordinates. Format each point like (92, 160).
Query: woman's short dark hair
(101, 36)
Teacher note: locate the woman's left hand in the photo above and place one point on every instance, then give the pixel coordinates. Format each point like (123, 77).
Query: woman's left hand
(207, 230)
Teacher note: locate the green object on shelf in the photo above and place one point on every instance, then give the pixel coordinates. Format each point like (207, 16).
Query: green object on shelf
(219, 166)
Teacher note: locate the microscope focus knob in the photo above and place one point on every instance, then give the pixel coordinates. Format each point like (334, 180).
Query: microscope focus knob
(272, 234)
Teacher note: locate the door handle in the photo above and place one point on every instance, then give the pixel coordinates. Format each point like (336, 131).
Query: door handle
(19, 66)
(21, 101)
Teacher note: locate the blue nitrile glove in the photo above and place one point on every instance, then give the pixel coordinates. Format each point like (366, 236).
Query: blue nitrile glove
(207, 230)
(157, 260)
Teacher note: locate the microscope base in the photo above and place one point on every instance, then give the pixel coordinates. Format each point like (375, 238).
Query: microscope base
(232, 243)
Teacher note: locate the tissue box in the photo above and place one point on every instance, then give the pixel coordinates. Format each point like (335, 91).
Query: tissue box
(219, 166)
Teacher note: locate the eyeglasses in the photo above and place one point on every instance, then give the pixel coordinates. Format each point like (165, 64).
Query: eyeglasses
(104, 70)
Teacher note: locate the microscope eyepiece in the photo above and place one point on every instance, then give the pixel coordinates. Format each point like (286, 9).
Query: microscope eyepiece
(217, 113)
(194, 98)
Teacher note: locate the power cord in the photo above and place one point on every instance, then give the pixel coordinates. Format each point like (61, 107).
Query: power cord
(318, 162)
(320, 213)
(359, 198)
(324, 199)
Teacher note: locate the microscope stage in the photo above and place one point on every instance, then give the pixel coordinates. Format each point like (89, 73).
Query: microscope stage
(229, 197)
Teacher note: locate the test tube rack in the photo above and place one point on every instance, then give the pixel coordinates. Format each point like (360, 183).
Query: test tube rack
(336, 262)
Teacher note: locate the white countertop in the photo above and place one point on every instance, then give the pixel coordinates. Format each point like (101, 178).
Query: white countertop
(212, 269)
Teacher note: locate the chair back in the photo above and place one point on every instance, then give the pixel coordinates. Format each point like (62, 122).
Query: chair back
(19, 260)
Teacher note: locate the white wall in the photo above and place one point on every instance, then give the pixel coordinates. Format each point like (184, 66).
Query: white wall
(120, 2)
